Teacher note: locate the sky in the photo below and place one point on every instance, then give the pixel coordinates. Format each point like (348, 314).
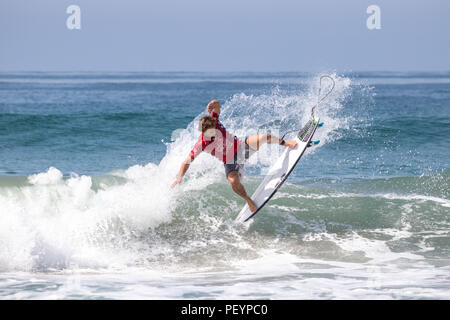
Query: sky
(226, 35)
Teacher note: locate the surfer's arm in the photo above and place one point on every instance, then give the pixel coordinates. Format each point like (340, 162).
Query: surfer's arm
(185, 164)
(184, 167)
(213, 110)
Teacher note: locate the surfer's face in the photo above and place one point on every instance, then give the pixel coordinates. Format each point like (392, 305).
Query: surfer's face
(209, 134)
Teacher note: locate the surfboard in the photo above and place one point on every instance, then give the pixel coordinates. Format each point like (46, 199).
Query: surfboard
(280, 170)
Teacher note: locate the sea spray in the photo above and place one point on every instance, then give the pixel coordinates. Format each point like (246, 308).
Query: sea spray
(363, 214)
(66, 223)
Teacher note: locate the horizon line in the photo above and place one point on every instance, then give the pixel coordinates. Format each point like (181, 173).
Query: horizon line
(221, 71)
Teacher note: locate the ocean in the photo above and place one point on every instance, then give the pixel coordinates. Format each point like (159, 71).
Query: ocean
(87, 212)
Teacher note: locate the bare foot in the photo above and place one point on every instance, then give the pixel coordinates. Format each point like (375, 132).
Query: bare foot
(291, 143)
(251, 205)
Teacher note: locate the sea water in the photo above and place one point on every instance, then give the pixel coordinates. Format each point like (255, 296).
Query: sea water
(87, 212)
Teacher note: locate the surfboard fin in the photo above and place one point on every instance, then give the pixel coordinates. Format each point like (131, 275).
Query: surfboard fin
(320, 125)
(313, 143)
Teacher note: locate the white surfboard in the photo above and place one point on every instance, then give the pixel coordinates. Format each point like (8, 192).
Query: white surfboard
(280, 170)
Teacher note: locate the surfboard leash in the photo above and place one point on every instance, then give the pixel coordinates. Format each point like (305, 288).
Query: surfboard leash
(319, 100)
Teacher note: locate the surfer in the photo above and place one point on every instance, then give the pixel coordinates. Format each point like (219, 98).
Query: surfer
(217, 141)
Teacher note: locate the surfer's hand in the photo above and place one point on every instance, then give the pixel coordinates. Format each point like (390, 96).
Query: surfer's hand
(176, 182)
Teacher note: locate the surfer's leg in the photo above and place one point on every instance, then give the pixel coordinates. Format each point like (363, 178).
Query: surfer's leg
(236, 185)
(257, 140)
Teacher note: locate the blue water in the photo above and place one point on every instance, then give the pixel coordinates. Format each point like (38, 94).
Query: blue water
(86, 160)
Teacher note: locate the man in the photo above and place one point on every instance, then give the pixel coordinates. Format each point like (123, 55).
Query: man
(216, 140)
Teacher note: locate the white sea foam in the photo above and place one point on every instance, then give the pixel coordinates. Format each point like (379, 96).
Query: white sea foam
(154, 242)
(441, 201)
(392, 196)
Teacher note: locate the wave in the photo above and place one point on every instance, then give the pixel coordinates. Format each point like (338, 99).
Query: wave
(131, 217)
(53, 222)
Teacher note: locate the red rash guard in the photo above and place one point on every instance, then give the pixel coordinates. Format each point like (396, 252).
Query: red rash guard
(223, 146)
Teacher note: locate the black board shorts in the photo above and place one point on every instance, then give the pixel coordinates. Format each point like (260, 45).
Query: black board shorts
(243, 153)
